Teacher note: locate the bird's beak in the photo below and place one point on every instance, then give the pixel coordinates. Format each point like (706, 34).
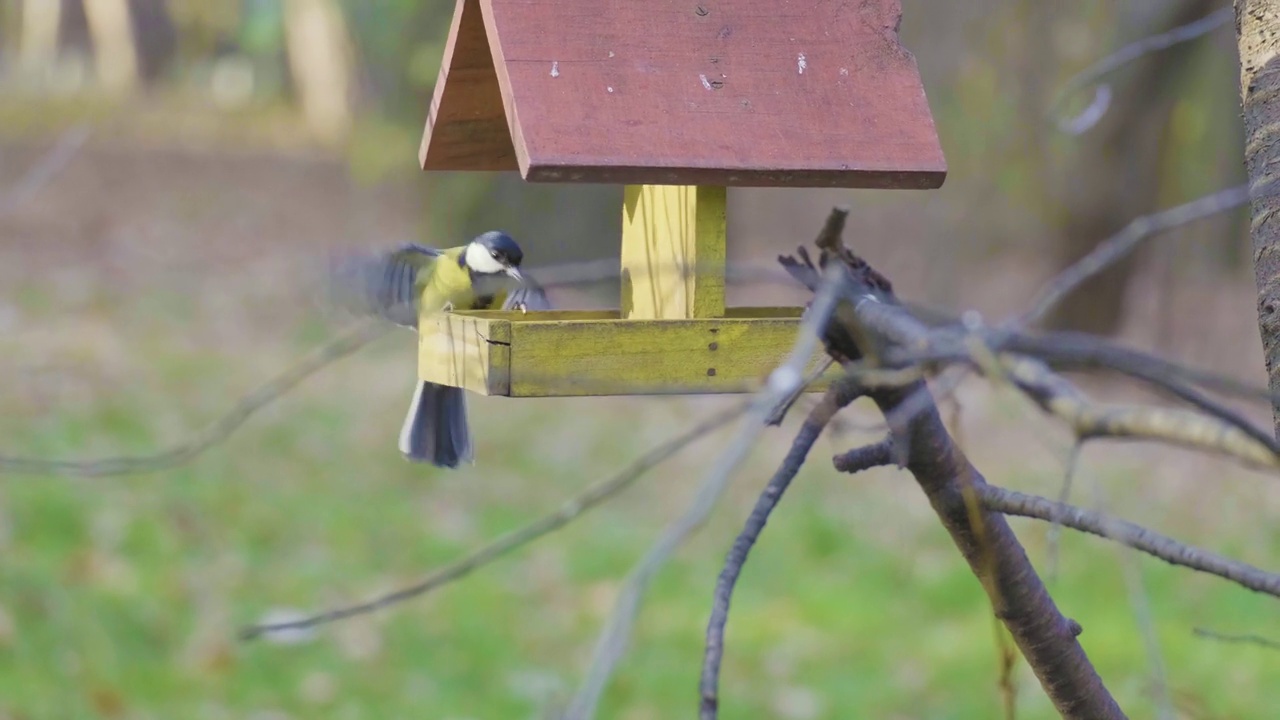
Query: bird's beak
(515, 274)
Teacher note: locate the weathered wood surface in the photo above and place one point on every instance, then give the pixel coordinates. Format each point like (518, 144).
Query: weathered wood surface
(465, 351)
(466, 124)
(579, 353)
(673, 252)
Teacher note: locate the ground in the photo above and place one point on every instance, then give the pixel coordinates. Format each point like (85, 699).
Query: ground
(143, 290)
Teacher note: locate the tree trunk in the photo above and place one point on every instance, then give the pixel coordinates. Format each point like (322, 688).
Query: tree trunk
(1258, 32)
(320, 62)
(38, 42)
(155, 36)
(115, 53)
(1117, 175)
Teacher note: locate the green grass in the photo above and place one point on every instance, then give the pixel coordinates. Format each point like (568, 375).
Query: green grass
(122, 597)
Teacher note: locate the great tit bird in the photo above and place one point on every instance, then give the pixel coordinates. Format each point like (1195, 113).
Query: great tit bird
(483, 274)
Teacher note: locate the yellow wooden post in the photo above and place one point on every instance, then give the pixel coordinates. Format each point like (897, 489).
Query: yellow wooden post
(673, 252)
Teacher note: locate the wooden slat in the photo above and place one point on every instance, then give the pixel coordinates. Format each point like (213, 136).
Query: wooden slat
(465, 351)
(673, 252)
(718, 92)
(466, 124)
(646, 357)
(577, 353)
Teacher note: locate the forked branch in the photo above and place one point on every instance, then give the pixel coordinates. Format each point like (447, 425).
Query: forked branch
(868, 315)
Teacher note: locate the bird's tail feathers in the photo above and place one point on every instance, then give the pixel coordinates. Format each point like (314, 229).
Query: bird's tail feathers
(435, 430)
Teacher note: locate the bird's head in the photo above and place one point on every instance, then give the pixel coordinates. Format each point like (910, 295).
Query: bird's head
(494, 253)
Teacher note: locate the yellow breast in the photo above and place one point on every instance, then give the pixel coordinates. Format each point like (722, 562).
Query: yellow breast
(451, 281)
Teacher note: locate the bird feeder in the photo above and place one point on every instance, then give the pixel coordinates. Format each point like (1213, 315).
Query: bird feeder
(677, 100)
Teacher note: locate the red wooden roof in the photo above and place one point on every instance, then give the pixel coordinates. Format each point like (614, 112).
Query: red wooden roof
(717, 92)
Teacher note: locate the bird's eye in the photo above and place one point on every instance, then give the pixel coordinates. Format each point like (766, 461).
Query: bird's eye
(494, 253)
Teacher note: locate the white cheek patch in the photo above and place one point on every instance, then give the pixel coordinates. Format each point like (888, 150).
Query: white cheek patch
(479, 260)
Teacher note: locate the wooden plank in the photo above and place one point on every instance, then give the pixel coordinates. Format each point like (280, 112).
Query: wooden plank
(743, 93)
(466, 123)
(644, 357)
(744, 313)
(564, 353)
(673, 252)
(465, 351)
(540, 315)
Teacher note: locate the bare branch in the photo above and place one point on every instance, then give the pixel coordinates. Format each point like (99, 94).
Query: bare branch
(1089, 420)
(1140, 601)
(1118, 59)
(829, 237)
(782, 382)
(1045, 637)
(46, 169)
(1072, 350)
(1240, 639)
(779, 413)
(221, 429)
(1116, 247)
(570, 510)
(836, 398)
(1064, 495)
(1081, 351)
(867, 456)
(1152, 543)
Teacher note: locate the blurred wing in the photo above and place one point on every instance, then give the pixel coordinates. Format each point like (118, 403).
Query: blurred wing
(529, 296)
(385, 285)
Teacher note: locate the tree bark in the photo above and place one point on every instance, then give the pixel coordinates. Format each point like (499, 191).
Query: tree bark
(1116, 175)
(1045, 636)
(1047, 639)
(1258, 33)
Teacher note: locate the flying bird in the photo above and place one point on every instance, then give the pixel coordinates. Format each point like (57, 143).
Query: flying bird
(481, 275)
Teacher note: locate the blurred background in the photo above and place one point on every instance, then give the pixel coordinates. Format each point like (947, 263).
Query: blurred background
(170, 174)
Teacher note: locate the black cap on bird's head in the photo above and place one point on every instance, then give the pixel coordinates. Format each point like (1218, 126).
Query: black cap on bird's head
(493, 253)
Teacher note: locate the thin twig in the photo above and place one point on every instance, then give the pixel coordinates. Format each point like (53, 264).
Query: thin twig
(484, 555)
(1126, 533)
(1247, 639)
(836, 398)
(1071, 350)
(1008, 662)
(220, 430)
(1118, 59)
(613, 641)
(1223, 430)
(868, 456)
(46, 169)
(1116, 247)
(1064, 496)
(779, 413)
(1140, 601)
